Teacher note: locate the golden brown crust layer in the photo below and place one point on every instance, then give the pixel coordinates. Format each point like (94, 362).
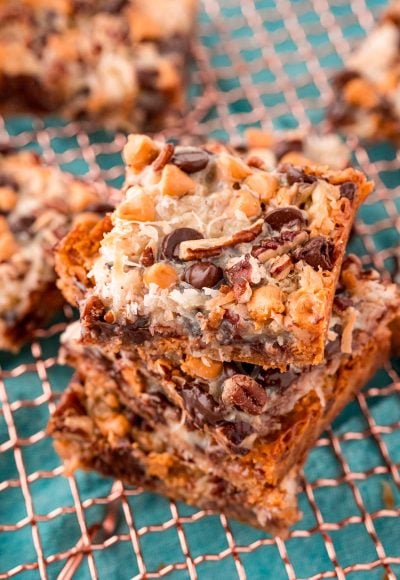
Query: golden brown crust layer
(106, 441)
(75, 255)
(139, 460)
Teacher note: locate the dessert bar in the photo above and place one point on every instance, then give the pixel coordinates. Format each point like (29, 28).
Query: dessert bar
(119, 62)
(38, 205)
(245, 413)
(117, 442)
(215, 254)
(366, 92)
(175, 424)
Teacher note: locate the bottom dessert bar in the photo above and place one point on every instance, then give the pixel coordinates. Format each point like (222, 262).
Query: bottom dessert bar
(141, 411)
(128, 447)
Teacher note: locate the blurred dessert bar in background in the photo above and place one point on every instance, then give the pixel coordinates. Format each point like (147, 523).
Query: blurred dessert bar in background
(38, 205)
(366, 100)
(122, 63)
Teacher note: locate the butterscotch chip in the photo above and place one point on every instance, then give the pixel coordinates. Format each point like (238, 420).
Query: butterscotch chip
(8, 244)
(139, 151)
(233, 168)
(247, 203)
(81, 196)
(265, 184)
(258, 138)
(265, 302)
(296, 158)
(175, 182)
(8, 199)
(360, 92)
(140, 207)
(163, 275)
(204, 367)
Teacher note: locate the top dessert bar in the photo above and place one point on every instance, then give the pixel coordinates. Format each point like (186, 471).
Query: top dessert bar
(38, 205)
(121, 62)
(210, 251)
(366, 92)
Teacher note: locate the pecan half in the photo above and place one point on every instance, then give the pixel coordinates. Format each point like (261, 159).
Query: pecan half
(244, 393)
(197, 249)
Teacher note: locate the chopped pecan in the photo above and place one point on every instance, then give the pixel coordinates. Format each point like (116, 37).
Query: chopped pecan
(163, 157)
(147, 258)
(254, 161)
(273, 247)
(244, 393)
(240, 271)
(196, 249)
(242, 291)
(281, 267)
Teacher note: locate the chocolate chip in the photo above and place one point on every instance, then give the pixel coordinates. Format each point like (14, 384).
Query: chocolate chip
(340, 79)
(340, 113)
(33, 92)
(275, 379)
(294, 175)
(235, 433)
(201, 407)
(147, 77)
(244, 393)
(22, 224)
(287, 146)
(341, 303)
(171, 242)
(332, 347)
(203, 275)
(317, 252)
(190, 160)
(100, 207)
(6, 149)
(163, 157)
(178, 44)
(7, 181)
(348, 189)
(112, 6)
(284, 216)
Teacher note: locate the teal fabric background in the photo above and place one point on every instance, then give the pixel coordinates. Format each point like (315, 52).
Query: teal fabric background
(236, 83)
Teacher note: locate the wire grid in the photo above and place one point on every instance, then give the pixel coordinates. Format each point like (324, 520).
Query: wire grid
(258, 63)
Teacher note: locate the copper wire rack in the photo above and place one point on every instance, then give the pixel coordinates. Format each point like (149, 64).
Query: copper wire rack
(257, 63)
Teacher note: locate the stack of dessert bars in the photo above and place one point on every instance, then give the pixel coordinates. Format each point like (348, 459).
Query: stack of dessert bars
(221, 326)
